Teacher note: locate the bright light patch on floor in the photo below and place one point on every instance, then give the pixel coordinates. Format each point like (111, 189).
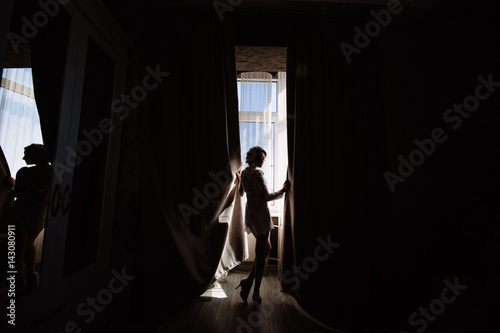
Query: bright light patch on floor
(215, 292)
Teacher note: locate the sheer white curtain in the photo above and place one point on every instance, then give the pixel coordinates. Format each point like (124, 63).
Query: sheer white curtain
(281, 138)
(19, 120)
(256, 122)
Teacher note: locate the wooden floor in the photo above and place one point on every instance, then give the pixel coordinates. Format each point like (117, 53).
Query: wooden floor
(221, 310)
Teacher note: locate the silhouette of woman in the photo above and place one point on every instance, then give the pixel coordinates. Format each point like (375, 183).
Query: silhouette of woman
(28, 213)
(257, 218)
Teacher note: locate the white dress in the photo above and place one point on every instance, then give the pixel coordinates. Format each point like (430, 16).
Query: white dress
(257, 217)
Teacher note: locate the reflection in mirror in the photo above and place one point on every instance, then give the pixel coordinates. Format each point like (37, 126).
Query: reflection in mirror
(26, 175)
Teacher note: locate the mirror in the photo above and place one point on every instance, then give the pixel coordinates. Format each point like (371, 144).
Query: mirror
(83, 200)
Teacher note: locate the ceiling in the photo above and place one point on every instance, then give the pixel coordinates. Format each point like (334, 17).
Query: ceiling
(260, 58)
(285, 4)
(271, 12)
(269, 6)
(118, 7)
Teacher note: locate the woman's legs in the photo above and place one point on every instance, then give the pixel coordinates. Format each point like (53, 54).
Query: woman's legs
(26, 255)
(30, 254)
(262, 249)
(21, 241)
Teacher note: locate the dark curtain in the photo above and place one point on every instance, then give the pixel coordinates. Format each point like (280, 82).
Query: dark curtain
(189, 153)
(349, 123)
(336, 161)
(446, 212)
(48, 61)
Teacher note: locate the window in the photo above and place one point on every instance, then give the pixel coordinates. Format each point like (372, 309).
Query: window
(19, 120)
(262, 115)
(258, 88)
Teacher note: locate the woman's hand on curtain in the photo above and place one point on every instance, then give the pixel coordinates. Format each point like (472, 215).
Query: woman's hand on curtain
(286, 186)
(9, 182)
(238, 183)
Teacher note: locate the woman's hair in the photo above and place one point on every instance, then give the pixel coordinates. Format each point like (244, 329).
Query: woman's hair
(253, 154)
(37, 153)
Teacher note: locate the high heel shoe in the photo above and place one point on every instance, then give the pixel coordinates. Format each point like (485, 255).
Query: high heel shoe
(256, 298)
(245, 285)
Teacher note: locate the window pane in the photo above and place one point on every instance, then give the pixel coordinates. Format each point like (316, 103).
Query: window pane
(260, 100)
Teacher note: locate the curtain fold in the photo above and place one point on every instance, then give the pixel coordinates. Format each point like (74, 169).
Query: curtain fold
(48, 61)
(336, 159)
(281, 155)
(236, 246)
(189, 153)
